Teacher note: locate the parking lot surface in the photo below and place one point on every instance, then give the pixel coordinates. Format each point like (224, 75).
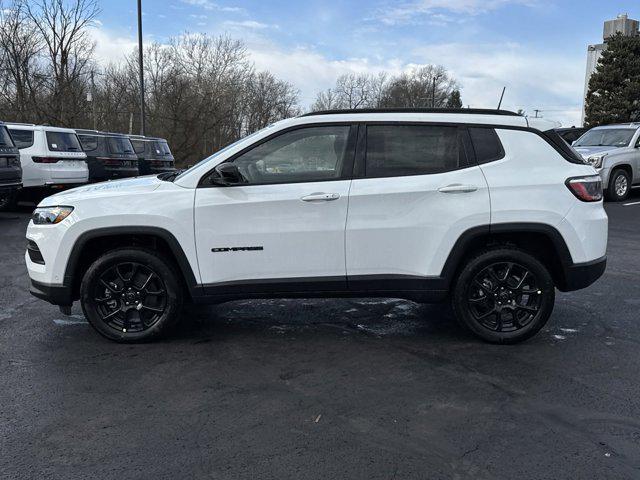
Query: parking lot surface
(321, 389)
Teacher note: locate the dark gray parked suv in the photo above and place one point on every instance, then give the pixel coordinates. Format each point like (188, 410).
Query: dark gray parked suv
(10, 170)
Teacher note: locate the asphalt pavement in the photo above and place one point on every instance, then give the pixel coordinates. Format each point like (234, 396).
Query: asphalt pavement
(324, 389)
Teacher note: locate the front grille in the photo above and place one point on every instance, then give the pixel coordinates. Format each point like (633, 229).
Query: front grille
(34, 252)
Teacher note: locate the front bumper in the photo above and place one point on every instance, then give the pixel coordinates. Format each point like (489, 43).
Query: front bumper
(54, 294)
(580, 275)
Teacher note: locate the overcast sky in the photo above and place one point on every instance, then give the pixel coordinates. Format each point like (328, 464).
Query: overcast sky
(536, 48)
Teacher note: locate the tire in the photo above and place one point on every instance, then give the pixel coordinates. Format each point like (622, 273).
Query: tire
(619, 186)
(7, 201)
(131, 295)
(496, 280)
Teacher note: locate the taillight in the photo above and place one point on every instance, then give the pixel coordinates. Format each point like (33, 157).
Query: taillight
(587, 189)
(44, 159)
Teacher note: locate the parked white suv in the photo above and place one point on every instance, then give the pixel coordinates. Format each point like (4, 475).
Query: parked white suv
(477, 206)
(51, 157)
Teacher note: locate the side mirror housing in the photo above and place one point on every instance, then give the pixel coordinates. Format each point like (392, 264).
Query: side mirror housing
(227, 174)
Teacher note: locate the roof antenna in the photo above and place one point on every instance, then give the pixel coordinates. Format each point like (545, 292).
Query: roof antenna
(501, 97)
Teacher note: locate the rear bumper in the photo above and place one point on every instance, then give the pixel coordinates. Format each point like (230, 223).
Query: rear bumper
(54, 294)
(581, 275)
(99, 172)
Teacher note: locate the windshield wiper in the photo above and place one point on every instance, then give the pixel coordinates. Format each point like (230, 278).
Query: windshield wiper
(170, 176)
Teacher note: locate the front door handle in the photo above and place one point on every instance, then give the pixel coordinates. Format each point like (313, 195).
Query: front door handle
(458, 188)
(321, 197)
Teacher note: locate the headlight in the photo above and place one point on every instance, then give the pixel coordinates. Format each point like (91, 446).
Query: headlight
(596, 160)
(50, 215)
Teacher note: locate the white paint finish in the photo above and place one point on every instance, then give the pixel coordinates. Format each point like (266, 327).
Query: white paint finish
(136, 202)
(405, 226)
(528, 184)
(300, 238)
(71, 170)
(585, 230)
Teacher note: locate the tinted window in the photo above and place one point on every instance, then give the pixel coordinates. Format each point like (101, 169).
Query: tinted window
(138, 146)
(486, 144)
(606, 137)
(119, 145)
(63, 142)
(307, 154)
(395, 150)
(89, 142)
(22, 138)
(161, 147)
(5, 138)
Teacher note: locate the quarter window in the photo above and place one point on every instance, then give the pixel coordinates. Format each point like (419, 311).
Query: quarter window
(22, 138)
(398, 150)
(486, 144)
(303, 155)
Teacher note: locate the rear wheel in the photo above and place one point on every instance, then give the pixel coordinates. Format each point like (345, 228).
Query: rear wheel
(131, 295)
(504, 295)
(619, 186)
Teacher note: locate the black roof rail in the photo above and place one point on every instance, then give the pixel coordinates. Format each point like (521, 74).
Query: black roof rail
(470, 111)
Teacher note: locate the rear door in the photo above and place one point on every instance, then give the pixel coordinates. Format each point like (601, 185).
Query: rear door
(415, 192)
(283, 228)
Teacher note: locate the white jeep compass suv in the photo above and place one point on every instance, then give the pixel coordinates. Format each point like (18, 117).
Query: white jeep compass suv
(473, 205)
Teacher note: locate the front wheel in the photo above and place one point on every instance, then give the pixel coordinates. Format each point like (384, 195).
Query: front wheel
(503, 295)
(131, 295)
(619, 186)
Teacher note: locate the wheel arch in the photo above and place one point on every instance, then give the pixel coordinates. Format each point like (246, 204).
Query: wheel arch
(540, 240)
(92, 244)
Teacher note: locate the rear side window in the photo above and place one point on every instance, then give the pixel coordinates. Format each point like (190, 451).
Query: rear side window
(399, 150)
(486, 144)
(5, 138)
(22, 138)
(89, 142)
(63, 142)
(119, 145)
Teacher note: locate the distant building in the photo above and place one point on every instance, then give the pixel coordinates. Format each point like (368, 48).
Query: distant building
(622, 24)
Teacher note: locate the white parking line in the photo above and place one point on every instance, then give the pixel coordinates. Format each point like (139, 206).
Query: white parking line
(630, 203)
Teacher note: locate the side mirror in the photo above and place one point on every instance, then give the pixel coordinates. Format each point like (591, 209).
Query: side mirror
(227, 174)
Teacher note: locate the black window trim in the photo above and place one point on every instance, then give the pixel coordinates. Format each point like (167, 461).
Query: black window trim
(347, 167)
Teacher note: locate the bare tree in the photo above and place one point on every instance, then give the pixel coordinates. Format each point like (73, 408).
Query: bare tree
(62, 26)
(427, 86)
(20, 73)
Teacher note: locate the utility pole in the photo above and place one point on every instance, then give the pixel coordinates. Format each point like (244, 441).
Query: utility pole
(93, 101)
(537, 112)
(141, 69)
(433, 94)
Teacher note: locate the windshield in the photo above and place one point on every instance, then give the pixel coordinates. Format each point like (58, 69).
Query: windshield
(606, 137)
(63, 142)
(218, 153)
(5, 138)
(119, 145)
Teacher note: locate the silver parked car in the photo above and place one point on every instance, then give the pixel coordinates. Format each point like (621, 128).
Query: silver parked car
(614, 150)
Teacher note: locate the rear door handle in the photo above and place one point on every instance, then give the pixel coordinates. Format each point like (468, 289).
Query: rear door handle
(458, 188)
(321, 197)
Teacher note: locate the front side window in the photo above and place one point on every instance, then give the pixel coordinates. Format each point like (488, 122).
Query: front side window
(22, 138)
(399, 150)
(303, 155)
(606, 137)
(119, 145)
(63, 142)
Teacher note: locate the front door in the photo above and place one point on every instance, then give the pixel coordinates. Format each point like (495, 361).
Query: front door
(283, 227)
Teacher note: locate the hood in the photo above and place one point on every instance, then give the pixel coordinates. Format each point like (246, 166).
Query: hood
(104, 189)
(587, 151)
